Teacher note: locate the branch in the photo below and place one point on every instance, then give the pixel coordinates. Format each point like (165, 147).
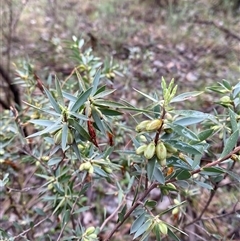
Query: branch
(137, 203)
(29, 229)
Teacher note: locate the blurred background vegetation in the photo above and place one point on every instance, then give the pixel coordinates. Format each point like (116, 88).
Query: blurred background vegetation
(196, 42)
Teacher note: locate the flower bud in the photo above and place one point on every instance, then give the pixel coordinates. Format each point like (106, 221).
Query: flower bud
(154, 125)
(142, 126)
(141, 149)
(150, 150)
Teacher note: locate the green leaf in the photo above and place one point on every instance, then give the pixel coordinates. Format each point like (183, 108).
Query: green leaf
(233, 175)
(66, 216)
(100, 172)
(183, 131)
(147, 96)
(110, 112)
(81, 131)
(187, 121)
(186, 96)
(183, 175)
(143, 228)
(81, 99)
(137, 223)
(204, 185)
(98, 120)
(158, 175)
(184, 147)
(233, 119)
(42, 122)
(230, 144)
(172, 235)
(227, 85)
(96, 81)
(150, 168)
(236, 90)
(103, 94)
(54, 161)
(212, 171)
(79, 116)
(107, 103)
(82, 209)
(157, 233)
(64, 136)
(150, 203)
(76, 150)
(49, 129)
(203, 135)
(59, 91)
(55, 105)
(122, 213)
(196, 114)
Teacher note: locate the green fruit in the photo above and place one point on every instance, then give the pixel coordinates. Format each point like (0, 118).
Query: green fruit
(90, 230)
(142, 126)
(141, 149)
(82, 167)
(58, 137)
(88, 165)
(107, 169)
(163, 227)
(91, 170)
(154, 125)
(170, 148)
(70, 138)
(161, 153)
(150, 150)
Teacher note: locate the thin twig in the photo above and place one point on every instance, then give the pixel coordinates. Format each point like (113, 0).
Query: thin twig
(112, 215)
(136, 204)
(29, 229)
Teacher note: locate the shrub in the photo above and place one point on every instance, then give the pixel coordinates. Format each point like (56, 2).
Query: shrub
(89, 145)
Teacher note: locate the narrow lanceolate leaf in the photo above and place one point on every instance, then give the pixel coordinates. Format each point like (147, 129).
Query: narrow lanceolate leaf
(186, 96)
(64, 136)
(137, 223)
(184, 131)
(96, 81)
(187, 121)
(82, 132)
(159, 175)
(53, 102)
(42, 122)
(81, 99)
(150, 168)
(230, 144)
(98, 120)
(47, 130)
(103, 94)
(59, 91)
(145, 95)
(143, 229)
(233, 119)
(196, 114)
(203, 135)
